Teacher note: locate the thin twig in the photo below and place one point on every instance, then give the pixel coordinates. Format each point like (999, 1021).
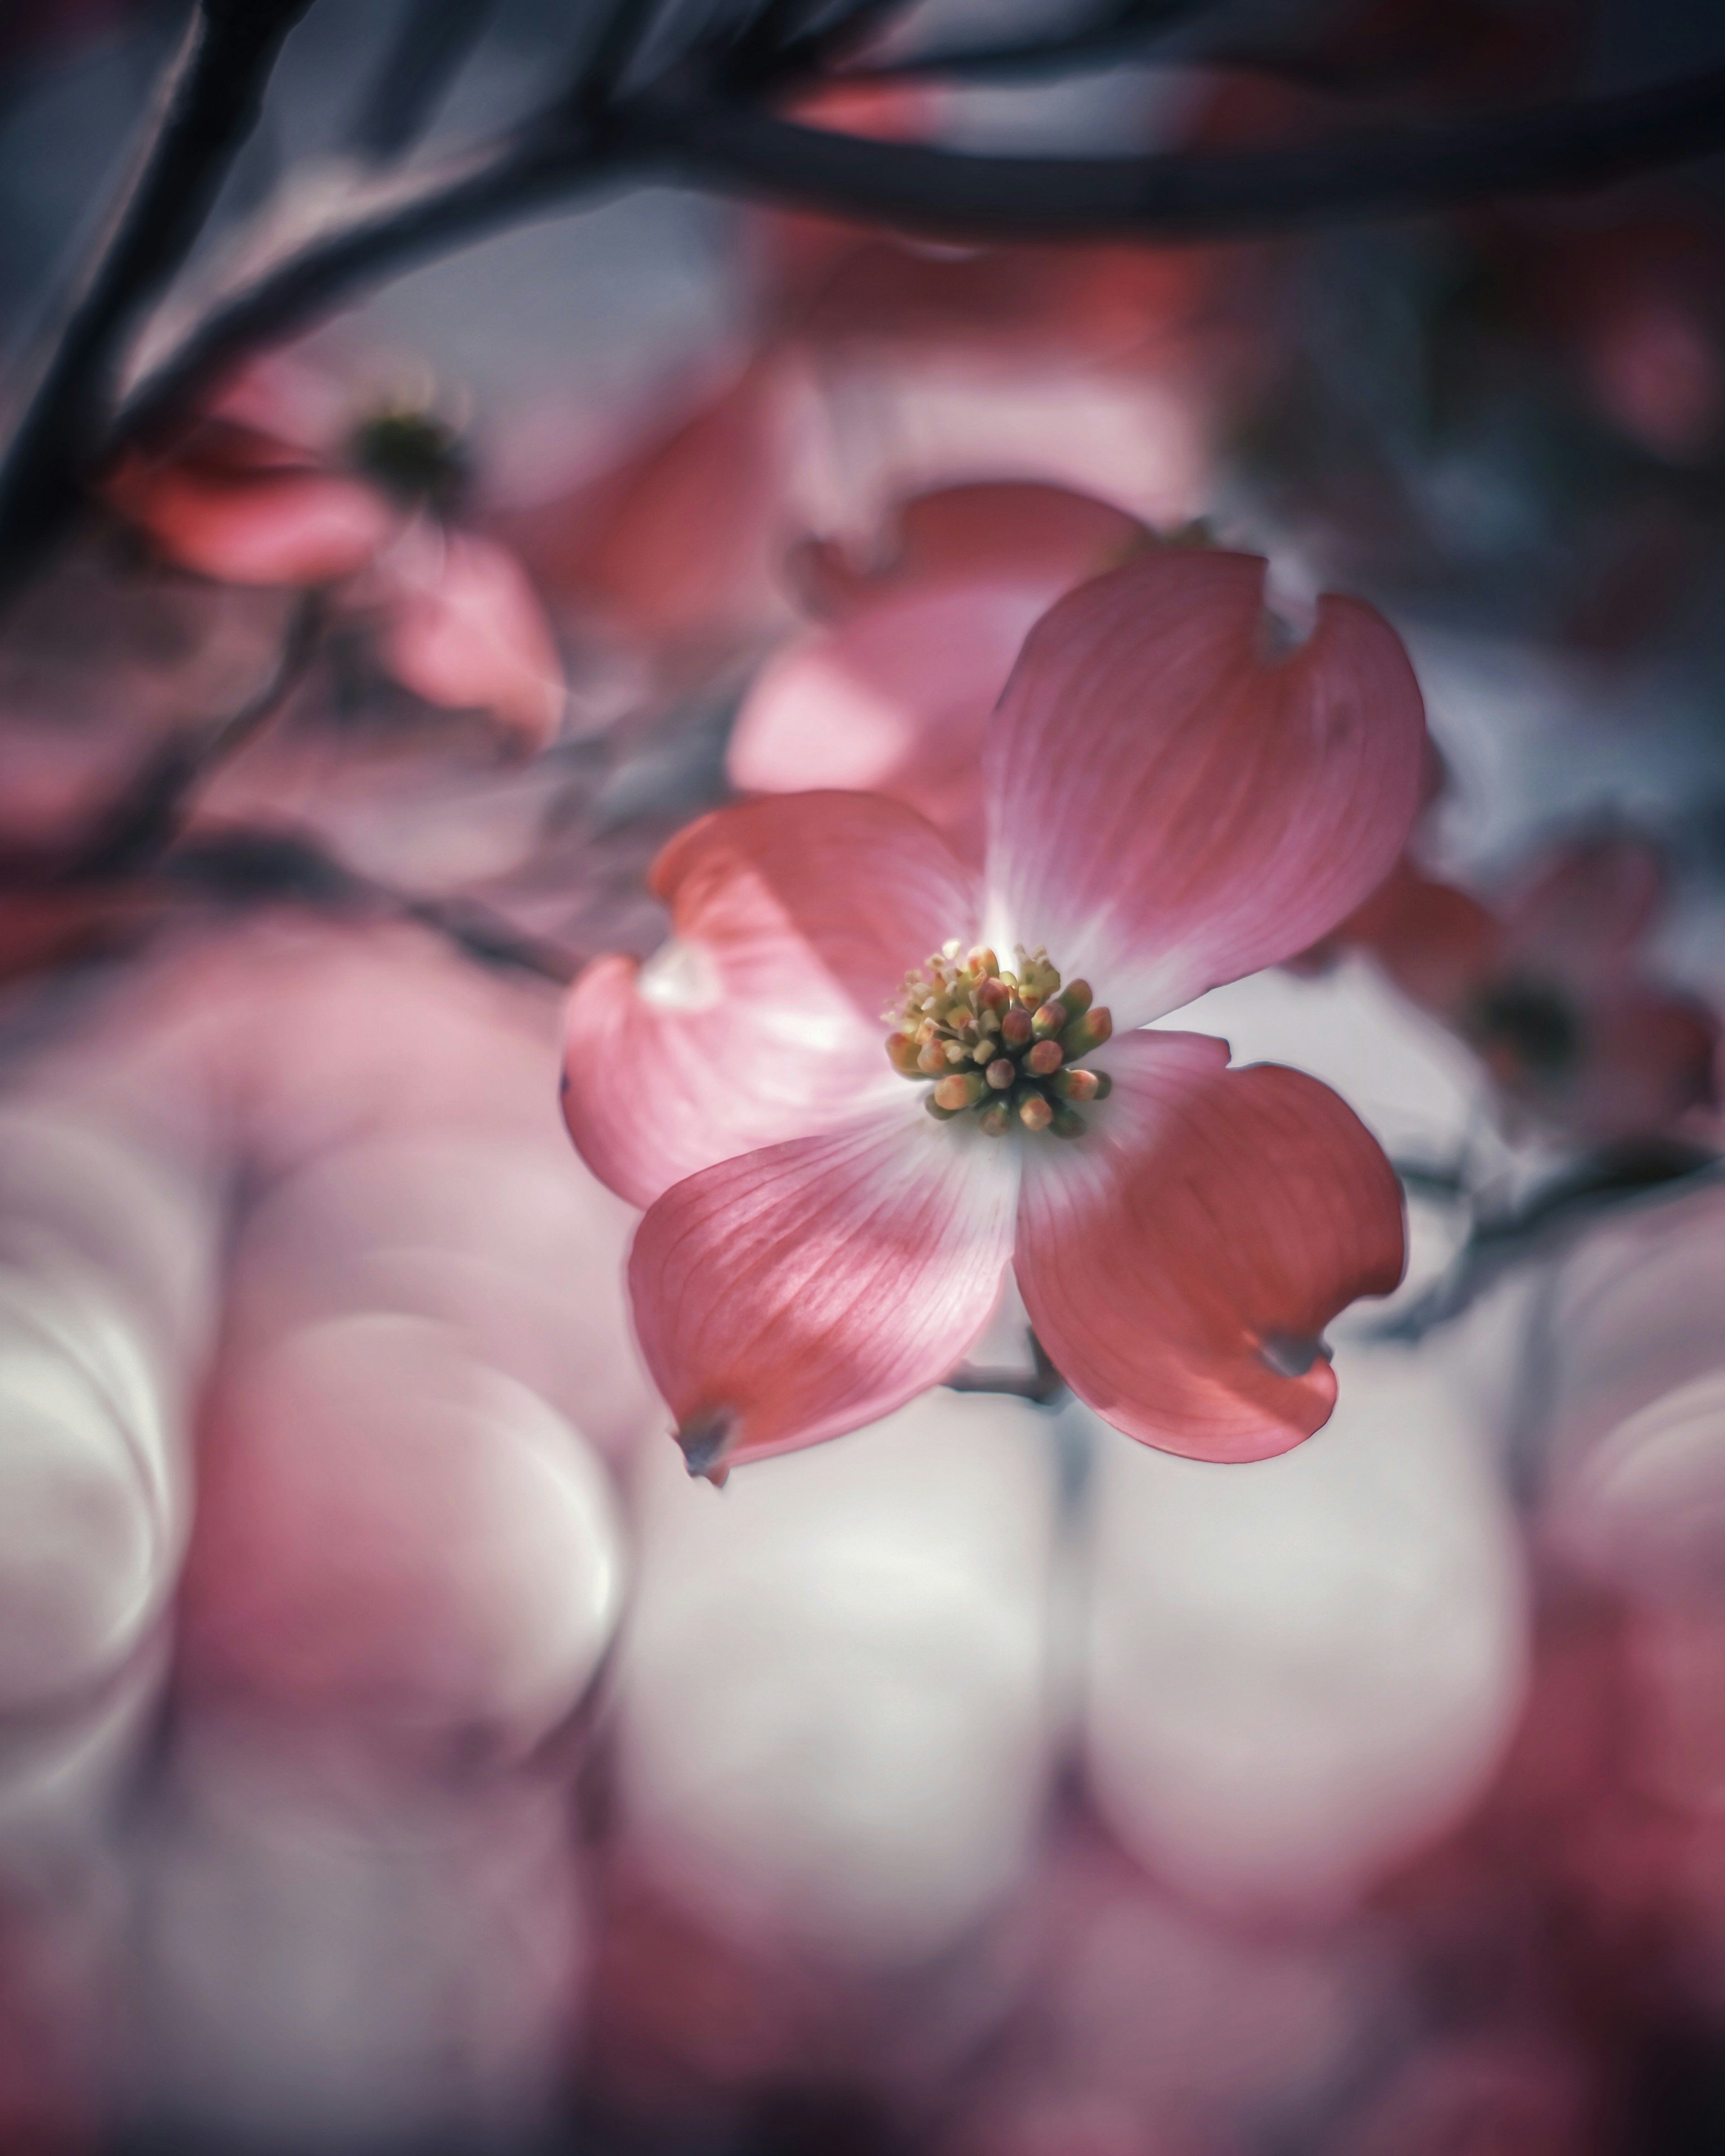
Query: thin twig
(532, 171)
(1638, 1172)
(152, 811)
(246, 865)
(775, 27)
(209, 104)
(1446, 1182)
(1045, 1386)
(432, 41)
(148, 814)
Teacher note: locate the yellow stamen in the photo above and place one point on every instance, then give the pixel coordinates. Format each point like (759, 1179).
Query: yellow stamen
(1084, 1034)
(960, 1091)
(999, 1045)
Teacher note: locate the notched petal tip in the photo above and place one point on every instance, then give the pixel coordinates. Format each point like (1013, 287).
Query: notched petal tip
(1286, 623)
(705, 1441)
(1228, 798)
(1183, 1275)
(799, 1292)
(1293, 1354)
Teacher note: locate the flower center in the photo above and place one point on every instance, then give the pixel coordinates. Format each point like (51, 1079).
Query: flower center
(414, 455)
(1525, 1027)
(1002, 1046)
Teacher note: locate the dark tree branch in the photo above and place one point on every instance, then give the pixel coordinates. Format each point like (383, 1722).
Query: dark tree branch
(1587, 143)
(528, 173)
(210, 104)
(842, 31)
(1167, 198)
(774, 29)
(432, 41)
(1118, 32)
(626, 23)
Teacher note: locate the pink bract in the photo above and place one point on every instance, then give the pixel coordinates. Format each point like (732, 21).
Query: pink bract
(464, 630)
(262, 499)
(680, 538)
(1552, 988)
(893, 700)
(1015, 531)
(1169, 802)
(242, 507)
(894, 695)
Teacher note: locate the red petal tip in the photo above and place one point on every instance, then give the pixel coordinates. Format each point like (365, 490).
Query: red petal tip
(705, 1441)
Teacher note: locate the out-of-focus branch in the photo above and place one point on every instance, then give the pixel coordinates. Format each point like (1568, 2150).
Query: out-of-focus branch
(625, 23)
(209, 106)
(838, 33)
(1169, 197)
(527, 174)
(792, 39)
(247, 866)
(432, 40)
(1582, 144)
(736, 147)
(1118, 32)
(1638, 1170)
(149, 815)
(146, 814)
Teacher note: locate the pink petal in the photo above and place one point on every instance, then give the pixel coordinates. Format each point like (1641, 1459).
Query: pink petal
(467, 631)
(251, 522)
(683, 536)
(1011, 530)
(279, 397)
(1180, 1260)
(793, 921)
(1171, 806)
(1436, 943)
(1644, 1060)
(895, 700)
(796, 1293)
(1589, 904)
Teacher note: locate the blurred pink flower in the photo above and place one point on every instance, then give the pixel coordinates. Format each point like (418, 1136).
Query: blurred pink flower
(1009, 529)
(1552, 988)
(1168, 806)
(680, 541)
(1632, 306)
(837, 287)
(252, 494)
(894, 696)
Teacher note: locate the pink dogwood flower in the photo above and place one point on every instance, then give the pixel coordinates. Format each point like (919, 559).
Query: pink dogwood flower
(833, 1195)
(251, 495)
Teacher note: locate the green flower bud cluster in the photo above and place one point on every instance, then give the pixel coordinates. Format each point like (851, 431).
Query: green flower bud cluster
(999, 1045)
